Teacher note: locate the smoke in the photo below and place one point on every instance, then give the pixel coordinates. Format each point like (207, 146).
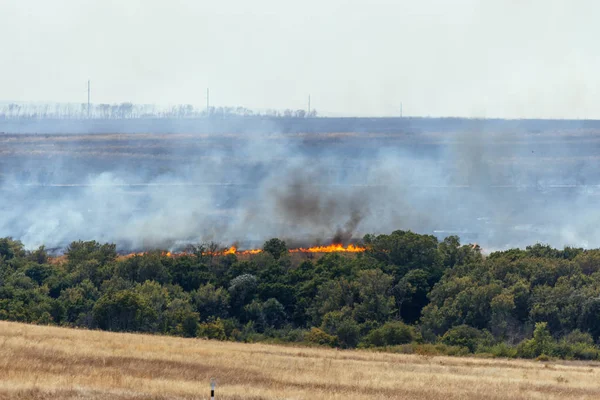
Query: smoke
(493, 184)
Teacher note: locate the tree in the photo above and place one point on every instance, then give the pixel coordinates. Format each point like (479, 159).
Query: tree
(541, 343)
(242, 290)
(375, 302)
(275, 247)
(406, 250)
(80, 251)
(147, 267)
(274, 313)
(211, 302)
(411, 295)
(390, 334)
(181, 319)
(10, 248)
(348, 333)
(332, 296)
(465, 336)
(590, 317)
(502, 306)
(188, 273)
(123, 311)
(77, 303)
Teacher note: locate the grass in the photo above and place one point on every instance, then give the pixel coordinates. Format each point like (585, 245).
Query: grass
(38, 362)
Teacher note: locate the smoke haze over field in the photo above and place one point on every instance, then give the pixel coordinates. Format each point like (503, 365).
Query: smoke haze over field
(145, 191)
(67, 173)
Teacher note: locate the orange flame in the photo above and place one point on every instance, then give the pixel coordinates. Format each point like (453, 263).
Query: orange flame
(250, 252)
(332, 248)
(231, 250)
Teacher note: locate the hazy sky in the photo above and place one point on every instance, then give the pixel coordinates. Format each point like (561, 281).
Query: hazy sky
(355, 57)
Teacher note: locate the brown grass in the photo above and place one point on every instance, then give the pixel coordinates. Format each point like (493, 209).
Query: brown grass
(56, 363)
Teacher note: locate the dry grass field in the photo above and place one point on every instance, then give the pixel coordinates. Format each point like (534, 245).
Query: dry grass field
(55, 363)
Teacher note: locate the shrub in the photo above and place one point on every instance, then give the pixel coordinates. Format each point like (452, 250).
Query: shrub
(541, 343)
(429, 349)
(577, 351)
(293, 335)
(212, 330)
(348, 333)
(465, 336)
(317, 336)
(390, 334)
(542, 357)
(577, 336)
(501, 350)
(402, 349)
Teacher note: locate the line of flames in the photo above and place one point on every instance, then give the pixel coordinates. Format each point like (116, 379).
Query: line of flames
(332, 248)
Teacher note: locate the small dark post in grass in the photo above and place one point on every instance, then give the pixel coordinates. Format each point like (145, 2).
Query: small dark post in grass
(212, 388)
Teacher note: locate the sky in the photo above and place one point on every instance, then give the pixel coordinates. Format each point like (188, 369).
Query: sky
(496, 58)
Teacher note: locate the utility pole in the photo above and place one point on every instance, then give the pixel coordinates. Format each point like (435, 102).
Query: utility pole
(400, 109)
(88, 108)
(308, 115)
(207, 102)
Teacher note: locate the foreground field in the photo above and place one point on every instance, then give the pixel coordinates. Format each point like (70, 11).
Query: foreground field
(56, 363)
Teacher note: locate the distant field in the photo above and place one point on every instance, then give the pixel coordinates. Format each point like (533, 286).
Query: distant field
(56, 363)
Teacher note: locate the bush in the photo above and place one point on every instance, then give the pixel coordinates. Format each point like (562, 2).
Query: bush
(542, 343)
(390, 334)
(293, 335)
(212, 330)
(318, 336)
(348, 333)
(275, 247)
(500, 350)
(466, 336)
(577, 336)
(542, 357)
(576, 351)
(429, 349)
(402, 349)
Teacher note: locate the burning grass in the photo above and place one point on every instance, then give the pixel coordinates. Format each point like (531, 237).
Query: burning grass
(332, 248)
(47, 363)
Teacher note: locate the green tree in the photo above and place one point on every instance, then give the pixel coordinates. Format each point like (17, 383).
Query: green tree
(124, 310)
(242, 289)
(80, 251)
(541, 343)
(589, 319)
(348, 333)
(390, 334)
(466, 336)
(375, 302)
(275, 247)
(274, 313)
(410, 294)
(10, 248)
(77, 303)
(211, 302)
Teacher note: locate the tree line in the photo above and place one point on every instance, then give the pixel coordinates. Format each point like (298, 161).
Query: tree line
(407, 293)
(127, 110)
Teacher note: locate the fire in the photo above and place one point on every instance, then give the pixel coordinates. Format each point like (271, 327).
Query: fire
(332, 248)
(250, 252)
(231, 250)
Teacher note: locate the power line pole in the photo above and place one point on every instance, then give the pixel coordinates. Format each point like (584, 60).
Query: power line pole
(88, 108)
(207, 102)
(308, 106)
(400, 109)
